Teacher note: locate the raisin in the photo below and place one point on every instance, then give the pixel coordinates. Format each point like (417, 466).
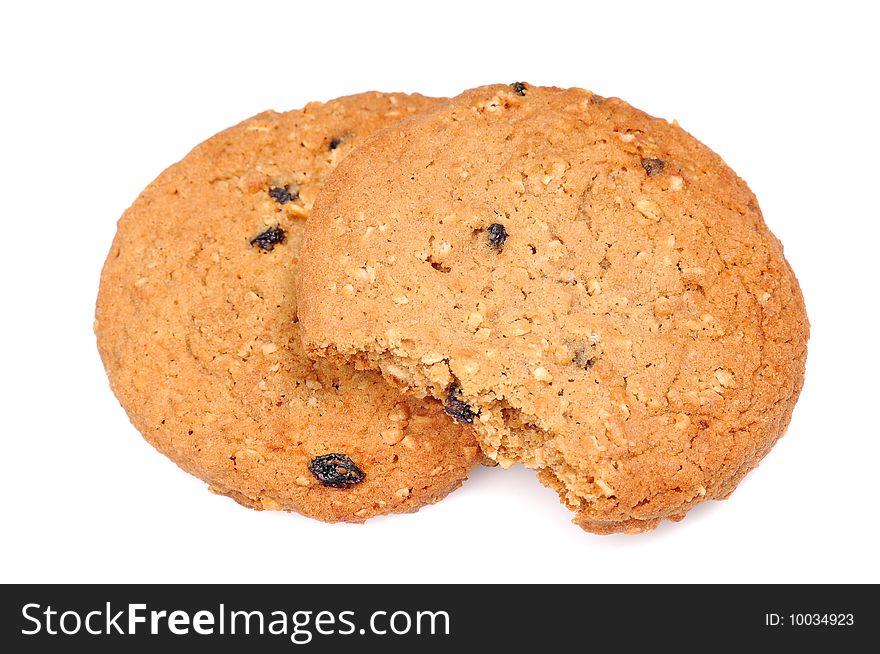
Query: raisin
(283, 194)
(497, 236)
(336, 470)
(653, 166)
(703, 424)
(455, 407)
(335, 142)
(582, 359)
(269, 238)
(519, 88)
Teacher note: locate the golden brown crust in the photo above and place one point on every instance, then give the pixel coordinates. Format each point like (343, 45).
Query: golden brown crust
(195, 325)
(634, 331)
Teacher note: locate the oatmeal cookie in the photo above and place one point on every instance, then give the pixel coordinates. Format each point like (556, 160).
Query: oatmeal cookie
(196, 326)
(590, 288)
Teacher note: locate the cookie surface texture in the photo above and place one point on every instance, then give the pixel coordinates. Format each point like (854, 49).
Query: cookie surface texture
(195, 325)
(590, 288)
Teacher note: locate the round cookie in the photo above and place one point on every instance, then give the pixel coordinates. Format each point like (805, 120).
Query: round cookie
(196, 326)
(590, 287)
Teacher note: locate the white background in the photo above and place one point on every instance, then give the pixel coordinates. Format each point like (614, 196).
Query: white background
(95, 100)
